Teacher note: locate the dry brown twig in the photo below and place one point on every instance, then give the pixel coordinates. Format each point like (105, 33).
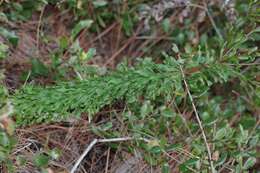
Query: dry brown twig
(39, 29)
(199, 122)
(95, 141)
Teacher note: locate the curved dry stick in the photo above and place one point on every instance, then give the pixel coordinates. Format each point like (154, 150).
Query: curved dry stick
(94, 142)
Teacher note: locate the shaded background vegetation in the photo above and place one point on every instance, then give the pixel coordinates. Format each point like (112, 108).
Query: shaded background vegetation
(76, 70)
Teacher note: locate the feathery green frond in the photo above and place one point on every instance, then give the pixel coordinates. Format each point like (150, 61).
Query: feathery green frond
(36, 104)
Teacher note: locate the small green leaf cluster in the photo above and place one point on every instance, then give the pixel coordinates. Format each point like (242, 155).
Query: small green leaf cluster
(3, 51)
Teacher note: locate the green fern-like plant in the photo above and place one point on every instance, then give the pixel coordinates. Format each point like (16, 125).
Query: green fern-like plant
(34, 104)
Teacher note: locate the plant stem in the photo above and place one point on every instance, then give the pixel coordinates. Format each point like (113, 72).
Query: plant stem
(199, 122)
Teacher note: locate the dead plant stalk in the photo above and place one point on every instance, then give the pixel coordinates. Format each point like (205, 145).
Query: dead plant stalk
(199, 121)
(95, 141)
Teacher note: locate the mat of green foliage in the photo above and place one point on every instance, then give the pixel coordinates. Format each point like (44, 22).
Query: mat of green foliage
(34, 104)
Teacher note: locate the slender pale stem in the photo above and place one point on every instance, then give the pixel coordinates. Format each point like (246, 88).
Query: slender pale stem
(199, 122)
